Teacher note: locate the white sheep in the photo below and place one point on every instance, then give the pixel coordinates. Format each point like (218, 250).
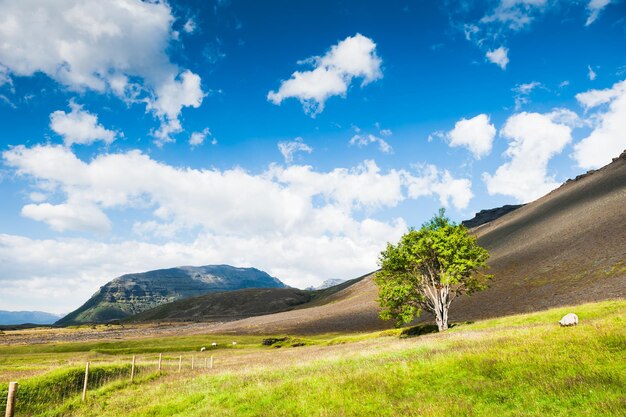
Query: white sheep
(202, 349)
(234, 343)
(570, 319)
(213, 344)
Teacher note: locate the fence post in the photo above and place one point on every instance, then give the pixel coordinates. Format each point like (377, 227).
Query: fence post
(160, 359)
(132, 370)
(206, 362)
(192, 363)
(10, 410)
(180, 363)
(85, 383)
(211, 362)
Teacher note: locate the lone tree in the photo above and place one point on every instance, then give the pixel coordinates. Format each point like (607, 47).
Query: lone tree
(428, 269)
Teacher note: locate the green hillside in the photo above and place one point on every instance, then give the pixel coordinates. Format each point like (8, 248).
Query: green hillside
(134, 293)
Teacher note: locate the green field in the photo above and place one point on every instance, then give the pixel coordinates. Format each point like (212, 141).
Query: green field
(524, 365)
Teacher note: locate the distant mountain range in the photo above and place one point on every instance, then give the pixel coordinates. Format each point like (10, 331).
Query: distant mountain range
(23, 317)
(134, 293)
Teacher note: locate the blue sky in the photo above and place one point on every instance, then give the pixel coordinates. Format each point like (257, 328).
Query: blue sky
(296, 137)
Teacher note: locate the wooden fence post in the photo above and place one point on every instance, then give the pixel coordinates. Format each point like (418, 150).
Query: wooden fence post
(10, 410)
(132, 370)
(192, 363)
(85, 383)
(160, 359)
(206, 362)
(180, 363)
(211, 362)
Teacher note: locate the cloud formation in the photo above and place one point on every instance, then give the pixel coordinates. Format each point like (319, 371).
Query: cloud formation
(475, 134)
(332, 74)
(116, 47)
(288, 149)
(534, 139)
(594, 8)
(607, 139)
(498, 56)
(311, 224)
(79, 126)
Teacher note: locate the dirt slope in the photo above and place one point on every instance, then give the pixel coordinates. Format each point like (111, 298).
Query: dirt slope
(565, 248)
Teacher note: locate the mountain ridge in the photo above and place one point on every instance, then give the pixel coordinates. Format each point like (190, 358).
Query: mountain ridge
(134, 293)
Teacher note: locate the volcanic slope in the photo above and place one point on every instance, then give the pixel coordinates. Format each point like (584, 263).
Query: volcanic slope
(568, 247)
(134, 293)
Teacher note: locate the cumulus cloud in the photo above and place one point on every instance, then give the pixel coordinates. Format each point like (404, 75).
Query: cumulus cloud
(499, 56)
(311, 224)
(288, 149)
(79, 126)
(332, 75)
(116, 47)
(475, 134)
(279, 199)
(431, 180)
(594, 7)
(198, 138)
(534, 139)
(607, 139)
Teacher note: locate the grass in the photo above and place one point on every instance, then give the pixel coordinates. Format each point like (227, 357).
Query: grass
(523, 365)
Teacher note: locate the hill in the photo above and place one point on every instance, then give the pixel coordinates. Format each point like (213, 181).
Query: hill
(134, 293)
(23, 317)
(238, 304)
(567, 247)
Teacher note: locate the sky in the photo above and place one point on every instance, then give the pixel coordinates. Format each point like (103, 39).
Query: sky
(295, 137)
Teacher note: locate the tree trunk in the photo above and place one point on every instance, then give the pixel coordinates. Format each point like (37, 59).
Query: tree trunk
(441, 314)
(441, 317)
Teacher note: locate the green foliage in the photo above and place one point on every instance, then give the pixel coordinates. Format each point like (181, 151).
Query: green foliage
(440, 260)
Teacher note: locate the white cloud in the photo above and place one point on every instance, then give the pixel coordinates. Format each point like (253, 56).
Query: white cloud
(431, 180)
(189, 26)
(533, 140)
(591, 73)
(364, 140)
(73, 215)
(197, 138)
(115, 46)
(499, 56)
(594, 8)
(288, 149)
(353, 57)
(79, 126)
(607, 140)
(522, 93)
(361, 139)
(516, 14)
(475, 134)
(311, 225)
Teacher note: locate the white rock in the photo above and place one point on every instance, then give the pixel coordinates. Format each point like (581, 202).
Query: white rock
(570, 319)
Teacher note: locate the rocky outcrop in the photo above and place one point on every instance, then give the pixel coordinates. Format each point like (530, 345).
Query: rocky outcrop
(489, 215)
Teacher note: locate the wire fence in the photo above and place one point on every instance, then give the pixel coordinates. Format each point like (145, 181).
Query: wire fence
(37, 395)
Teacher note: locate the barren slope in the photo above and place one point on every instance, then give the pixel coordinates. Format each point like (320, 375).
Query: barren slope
(567, 247)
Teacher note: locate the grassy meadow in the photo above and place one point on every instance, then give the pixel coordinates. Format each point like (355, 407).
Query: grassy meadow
(523, 365)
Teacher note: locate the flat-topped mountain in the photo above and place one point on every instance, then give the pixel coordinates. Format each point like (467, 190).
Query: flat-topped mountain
(134, 293)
